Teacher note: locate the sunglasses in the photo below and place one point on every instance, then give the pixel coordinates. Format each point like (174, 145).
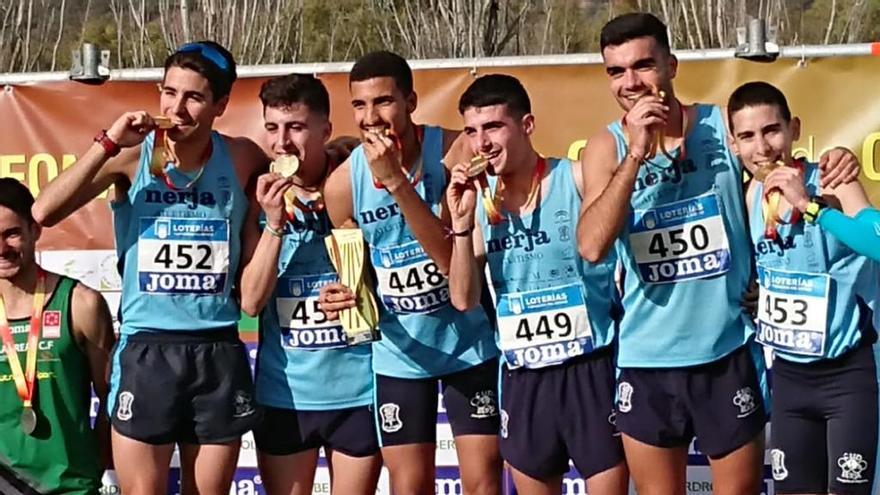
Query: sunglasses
(207, 51)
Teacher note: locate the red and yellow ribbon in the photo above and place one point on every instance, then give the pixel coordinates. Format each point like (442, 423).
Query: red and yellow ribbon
(25, 379)
(492, 202)
(163, 154)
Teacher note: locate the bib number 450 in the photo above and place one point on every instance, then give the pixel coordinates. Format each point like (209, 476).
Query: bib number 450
(677, 242)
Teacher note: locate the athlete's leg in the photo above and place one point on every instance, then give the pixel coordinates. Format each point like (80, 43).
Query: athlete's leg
(614, 481)
(292, 474)
(207, 469)
(740, 472)
(406, 414)
(471, 404)
(142, 468)
(656, 470)
(353, 475)
(480, 464)
(411, 468)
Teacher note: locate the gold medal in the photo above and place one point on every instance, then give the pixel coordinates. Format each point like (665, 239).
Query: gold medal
(765, 168)
(477, 165)
(285, 165)
(163, 122)
(28, 420)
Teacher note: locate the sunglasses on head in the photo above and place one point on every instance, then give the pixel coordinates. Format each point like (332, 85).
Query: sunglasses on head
(207, 51)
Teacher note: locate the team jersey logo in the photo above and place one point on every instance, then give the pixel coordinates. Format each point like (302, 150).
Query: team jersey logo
(123, 412)
(624, 397)
(51, 324)
(851, 467)
(777, 461)
(390, 415)
(242, 404)
(745, 401)
(484, 405)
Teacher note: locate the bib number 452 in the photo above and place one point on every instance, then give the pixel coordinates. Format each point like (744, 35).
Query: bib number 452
(184, 256)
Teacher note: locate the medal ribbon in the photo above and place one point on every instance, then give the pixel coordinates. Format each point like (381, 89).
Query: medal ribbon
(24, 380)
(291, 200)
(770, 210)
(163, 154)
(492, 202)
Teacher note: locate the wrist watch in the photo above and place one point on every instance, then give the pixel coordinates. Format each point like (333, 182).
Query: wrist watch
(814, 207)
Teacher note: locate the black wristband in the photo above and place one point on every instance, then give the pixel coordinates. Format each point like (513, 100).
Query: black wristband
(448, 232)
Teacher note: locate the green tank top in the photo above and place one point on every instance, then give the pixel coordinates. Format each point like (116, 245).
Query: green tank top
(62, 454)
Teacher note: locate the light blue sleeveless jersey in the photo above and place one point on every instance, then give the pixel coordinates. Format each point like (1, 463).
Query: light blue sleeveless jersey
(180, 249)
(422, 334)
(686, 255)
(551, 304)
(304, 362)
(815, 291)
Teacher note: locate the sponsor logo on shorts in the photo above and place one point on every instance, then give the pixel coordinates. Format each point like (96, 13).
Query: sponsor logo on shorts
(504, 419)
(123, 412)
(624, 397)
(484, 405)
(851, 466)
(745, 401)
(777, 465)
(242, 403)
(389, 413)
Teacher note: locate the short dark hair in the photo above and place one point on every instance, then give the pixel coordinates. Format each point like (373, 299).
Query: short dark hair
(383, 63)
(496, 89)
(284, 91)
(752, 94)
(210, 60)
(628, 27)
(17, 197)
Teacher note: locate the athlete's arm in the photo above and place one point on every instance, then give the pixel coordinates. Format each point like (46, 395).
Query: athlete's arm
(383, 157)
(465, 281)
(95, 171)
(333, 298)
(608, 185)
(859, 233)
(839, 166)
(607, 190)
(260, 274)
(92, 328)
(338, 197)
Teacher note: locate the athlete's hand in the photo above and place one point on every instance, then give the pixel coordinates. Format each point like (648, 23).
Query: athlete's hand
(648, 116)
(790, 181)
(270, 194)
(333, 298)
(838, 166)
(131, 128)
(749, 301)
(384, 158)
(461, 195)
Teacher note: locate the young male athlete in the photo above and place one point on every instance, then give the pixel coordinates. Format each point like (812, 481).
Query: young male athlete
(180, 374)
(316, 390)
(816, 296)
(392, 188)
(554, 310)
(662, 184)
(57, 335)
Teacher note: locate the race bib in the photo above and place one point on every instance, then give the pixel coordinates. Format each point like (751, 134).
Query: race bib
(303, 324)
(680, 241)
(543, 327)
(793, 311)
(409, 281)
(183, 255)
